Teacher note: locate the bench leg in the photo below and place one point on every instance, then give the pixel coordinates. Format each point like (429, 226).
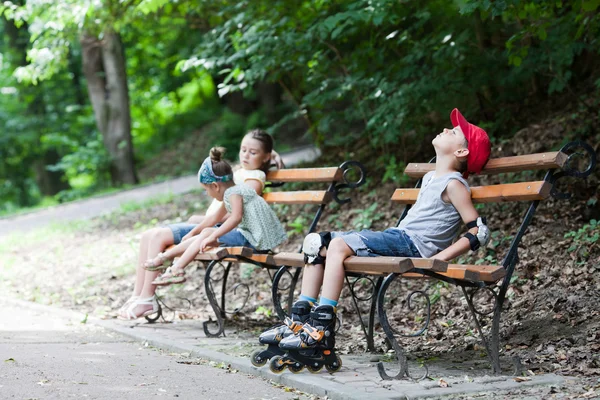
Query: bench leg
(219, 313)
(492, 345)
(401, 358)
(383, 320)
(368, 329)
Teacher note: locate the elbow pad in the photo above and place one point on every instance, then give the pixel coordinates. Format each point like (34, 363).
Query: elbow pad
(483, 234)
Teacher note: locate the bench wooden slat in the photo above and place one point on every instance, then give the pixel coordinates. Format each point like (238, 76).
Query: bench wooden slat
(213, 254)
(378, 265)
(298, 197)
(305, 175)
(240, 251)
(372, 265)
(487, 273)
(555, 159)
(289, 259)
(522, 191)
(429, 263)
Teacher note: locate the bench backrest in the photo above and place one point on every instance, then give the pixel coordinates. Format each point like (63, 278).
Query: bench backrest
(326, 185)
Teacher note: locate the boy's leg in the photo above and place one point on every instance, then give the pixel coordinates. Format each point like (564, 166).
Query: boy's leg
(333, 279)
(312, 279)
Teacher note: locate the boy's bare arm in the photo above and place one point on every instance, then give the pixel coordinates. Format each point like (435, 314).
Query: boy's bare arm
(457, 194)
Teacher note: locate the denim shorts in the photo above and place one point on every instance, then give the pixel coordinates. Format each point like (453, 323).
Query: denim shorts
(232, 238)
(180, 230)
(392, 242)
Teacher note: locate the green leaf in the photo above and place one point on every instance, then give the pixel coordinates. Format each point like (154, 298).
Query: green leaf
(542, 33)
(590, 5)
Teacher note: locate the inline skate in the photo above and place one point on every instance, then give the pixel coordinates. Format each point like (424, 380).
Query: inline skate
(272, 337)
(312, 347)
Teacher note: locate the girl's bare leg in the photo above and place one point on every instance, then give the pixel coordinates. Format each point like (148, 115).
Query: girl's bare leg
(192, 250)
(196, 219)
(178, 250)
(158, 237)
(333, 279)
(153, 242)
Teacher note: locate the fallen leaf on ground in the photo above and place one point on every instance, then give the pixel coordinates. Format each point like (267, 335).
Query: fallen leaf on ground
(443, 383)
(522, 379)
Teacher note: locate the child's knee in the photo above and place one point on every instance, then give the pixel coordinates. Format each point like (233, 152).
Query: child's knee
(337, 246)
(149, 234)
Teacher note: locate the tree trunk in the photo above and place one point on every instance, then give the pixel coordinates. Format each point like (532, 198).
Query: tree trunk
(104, 69)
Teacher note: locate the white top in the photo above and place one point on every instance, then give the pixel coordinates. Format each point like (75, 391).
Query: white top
(240, 176)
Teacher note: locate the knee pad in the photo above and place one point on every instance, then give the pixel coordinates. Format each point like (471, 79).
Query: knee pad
(312, 246)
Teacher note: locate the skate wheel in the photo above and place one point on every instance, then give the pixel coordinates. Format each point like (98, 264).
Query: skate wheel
(276, 365)
(314, 370)
(257, 360)
(295, 367)
(335, 367)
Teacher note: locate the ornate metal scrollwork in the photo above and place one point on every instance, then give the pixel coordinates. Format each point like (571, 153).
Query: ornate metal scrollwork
(477, 304)
(162, 306)
(410, 307)
(349, 167)
(275, 289)
(569, 169)
(370, 292)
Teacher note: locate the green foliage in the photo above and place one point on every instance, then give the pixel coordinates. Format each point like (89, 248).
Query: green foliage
(584, 239)
(372, 72)
(365, 218)
(298, 225)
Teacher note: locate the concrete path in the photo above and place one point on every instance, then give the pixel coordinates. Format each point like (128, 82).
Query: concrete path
(112, 361)
(89, 208)
(51, 355)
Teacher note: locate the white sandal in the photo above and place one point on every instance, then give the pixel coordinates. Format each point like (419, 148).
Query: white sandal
(130, 315)
(127, 304)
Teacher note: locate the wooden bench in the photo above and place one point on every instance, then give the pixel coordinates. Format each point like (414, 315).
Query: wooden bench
(469, 277)
(327, 185)
(492, 278)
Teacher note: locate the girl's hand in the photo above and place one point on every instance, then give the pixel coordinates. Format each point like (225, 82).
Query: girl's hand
(276, 158)
(208, 242)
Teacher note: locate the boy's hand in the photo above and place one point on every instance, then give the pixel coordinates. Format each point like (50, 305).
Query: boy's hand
(210, 241)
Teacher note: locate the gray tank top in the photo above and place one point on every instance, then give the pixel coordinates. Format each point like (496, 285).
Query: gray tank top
(431, 223)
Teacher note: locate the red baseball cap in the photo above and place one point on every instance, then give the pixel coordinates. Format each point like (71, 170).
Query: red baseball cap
(479, 143)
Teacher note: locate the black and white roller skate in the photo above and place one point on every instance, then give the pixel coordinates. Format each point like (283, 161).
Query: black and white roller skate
(312, 246)
(312, 347)
(274, 335)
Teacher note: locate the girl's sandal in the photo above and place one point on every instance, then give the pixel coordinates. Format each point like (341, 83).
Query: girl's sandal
(130, 315)
(157, 263)
(121, 312)
(170, 277)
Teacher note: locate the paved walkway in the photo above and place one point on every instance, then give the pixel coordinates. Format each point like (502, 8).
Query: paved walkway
(358, 378)
(48, 354)
(89, 208)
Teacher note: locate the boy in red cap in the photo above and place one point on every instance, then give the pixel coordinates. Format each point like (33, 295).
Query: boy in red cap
(428, 230)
